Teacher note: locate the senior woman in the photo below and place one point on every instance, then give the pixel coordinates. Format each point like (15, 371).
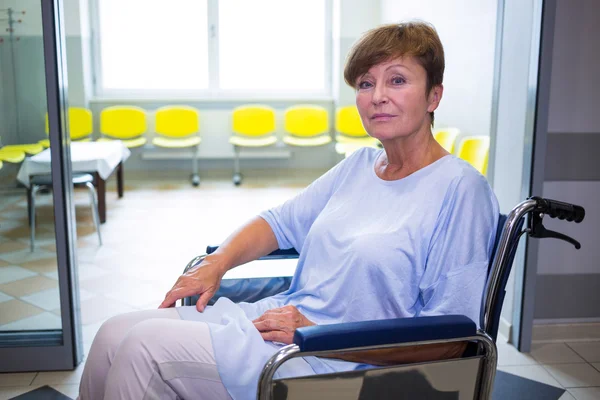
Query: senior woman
(406, 231)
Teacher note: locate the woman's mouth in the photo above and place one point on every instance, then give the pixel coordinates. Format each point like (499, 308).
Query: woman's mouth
(382, 117)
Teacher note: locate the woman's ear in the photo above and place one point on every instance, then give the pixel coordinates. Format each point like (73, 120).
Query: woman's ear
(435, 96)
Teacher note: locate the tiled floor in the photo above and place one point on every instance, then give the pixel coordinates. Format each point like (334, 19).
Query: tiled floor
(573, 366)
(148, 238)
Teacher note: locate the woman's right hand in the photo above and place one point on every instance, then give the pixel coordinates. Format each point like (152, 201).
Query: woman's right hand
(203, 279)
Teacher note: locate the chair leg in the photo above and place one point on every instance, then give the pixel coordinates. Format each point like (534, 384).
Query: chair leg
(237, 176)
(95, 215)
(195, 176)
(31, 197)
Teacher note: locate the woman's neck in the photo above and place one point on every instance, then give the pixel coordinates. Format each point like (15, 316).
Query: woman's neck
(406, 155)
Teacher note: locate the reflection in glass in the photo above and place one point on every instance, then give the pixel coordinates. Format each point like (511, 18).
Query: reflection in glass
(29, 293)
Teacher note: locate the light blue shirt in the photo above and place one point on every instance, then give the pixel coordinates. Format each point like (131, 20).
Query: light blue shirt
(369, 249)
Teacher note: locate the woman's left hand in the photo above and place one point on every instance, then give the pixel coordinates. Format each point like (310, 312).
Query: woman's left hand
(279, 324)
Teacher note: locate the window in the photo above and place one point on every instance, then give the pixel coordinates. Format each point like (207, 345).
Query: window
(153, 45)
(212, 47)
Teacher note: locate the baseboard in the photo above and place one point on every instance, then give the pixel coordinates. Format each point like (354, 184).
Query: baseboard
(505, 329)
(566, 330)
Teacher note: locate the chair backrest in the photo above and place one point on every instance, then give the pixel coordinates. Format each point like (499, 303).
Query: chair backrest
(492, 330)
(123, 122)
(446, 137)
(306, 120)
(177, 121)
(255, 120)
(475, 150)
(348, 122)
(81, 123)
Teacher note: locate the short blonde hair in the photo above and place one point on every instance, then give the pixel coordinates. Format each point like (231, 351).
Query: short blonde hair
(387, 42)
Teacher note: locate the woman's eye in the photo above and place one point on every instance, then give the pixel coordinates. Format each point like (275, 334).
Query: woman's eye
(364, 85)
(398, 80)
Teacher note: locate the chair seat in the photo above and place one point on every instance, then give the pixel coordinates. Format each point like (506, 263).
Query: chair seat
(33, 148)
(176, 143)
(320, 140)
(259, 141)
(11, 156)
(129, 143)
(364, 140)
(46, 180)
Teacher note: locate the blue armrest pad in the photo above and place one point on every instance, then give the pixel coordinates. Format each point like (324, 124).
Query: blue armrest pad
(382, 332)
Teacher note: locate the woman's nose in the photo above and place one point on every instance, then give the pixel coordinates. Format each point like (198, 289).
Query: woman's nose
(379, 95)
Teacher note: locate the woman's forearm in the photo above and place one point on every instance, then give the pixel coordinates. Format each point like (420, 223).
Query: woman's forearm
(249, 242)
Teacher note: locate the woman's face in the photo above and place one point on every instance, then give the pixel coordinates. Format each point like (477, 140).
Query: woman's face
(392, 101)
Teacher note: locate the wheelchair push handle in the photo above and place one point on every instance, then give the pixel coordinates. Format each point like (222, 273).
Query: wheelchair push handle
(560, 210)
(555, 209)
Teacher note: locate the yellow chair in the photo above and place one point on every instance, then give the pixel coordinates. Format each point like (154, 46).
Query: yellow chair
(306, 126)
(31, 148)
(11, 155)
(81, 125)
(253, 126)
(350, 132)
(475, 150)
(124, 123)
(178, 127)
(446, 137)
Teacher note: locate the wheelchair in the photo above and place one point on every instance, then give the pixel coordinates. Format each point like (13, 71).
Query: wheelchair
(470, 376)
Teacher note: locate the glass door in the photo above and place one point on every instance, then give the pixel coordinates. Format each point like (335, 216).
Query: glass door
(39, 305)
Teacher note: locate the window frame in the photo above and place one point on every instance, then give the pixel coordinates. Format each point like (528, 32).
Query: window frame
(213, 92)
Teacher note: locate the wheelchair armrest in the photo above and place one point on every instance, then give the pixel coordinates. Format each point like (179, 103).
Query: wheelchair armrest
(246, 289)
(381, 332)
(275, 255)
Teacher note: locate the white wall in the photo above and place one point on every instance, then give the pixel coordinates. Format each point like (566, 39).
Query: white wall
(467, 29)
(356, 17)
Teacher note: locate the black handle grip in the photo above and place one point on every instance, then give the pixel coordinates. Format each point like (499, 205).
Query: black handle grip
(560, 210)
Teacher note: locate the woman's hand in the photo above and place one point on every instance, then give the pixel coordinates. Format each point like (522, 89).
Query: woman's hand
(203, 279)
(279, 324)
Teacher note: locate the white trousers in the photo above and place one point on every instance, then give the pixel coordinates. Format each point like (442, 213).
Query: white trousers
(150, 355)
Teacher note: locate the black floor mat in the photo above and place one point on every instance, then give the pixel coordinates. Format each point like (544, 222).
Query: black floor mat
(512, 387)
(42, 393)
